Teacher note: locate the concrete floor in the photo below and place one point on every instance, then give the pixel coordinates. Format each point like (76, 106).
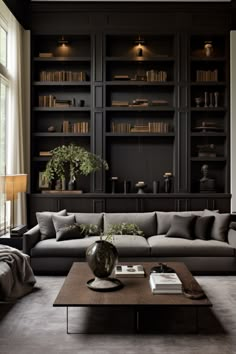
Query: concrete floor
(33, 325)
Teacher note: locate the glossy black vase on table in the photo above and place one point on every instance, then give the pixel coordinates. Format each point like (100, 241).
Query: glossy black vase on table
(102, 257)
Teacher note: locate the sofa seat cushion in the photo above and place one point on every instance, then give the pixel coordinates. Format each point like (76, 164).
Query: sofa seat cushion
(126, 246)
(163, 246)
(131, 246)
(67, 248)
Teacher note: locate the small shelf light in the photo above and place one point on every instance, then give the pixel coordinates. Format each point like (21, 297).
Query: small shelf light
(139, 42)
(63, 42)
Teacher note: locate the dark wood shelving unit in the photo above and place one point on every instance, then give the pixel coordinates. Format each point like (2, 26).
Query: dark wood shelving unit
(134, 155)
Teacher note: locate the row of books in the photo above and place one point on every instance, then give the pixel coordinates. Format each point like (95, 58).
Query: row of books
(78, 127)
(150, 127)
(155, 75)
(160, 283)
(150, 76)
(62, 75)
(52, 101)
(207, 75)
(139, 103)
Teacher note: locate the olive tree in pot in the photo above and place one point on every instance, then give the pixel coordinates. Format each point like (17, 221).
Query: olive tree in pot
(72, 161)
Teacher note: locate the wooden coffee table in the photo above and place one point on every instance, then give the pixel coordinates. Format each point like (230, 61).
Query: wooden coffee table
(136, 292)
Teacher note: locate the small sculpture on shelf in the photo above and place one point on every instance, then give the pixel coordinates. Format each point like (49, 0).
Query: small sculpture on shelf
(51, 129)
(206, 184)
(140, 186)
(208, 48)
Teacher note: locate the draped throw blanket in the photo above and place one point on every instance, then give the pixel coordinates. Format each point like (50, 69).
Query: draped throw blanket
(16, 275)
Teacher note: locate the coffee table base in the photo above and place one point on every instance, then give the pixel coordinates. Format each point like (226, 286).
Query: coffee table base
(139, 313)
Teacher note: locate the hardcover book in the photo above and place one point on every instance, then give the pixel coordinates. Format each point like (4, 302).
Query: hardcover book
(129, 271)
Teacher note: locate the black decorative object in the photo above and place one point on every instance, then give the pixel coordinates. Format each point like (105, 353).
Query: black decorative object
(113, 184)
(162, 268)
(167, 182)
(155, 187)
(127, 187)
(102, 257)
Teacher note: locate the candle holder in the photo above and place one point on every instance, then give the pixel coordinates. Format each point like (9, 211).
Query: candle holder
(113, 184)
(140, 186)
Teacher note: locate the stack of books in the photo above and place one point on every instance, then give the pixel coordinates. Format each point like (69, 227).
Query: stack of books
(165, 283)
(129, 271)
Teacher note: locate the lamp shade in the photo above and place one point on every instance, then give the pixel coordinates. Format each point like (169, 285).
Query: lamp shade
(11, 185)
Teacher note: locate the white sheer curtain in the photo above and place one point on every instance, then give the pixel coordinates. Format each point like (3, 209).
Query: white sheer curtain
(15, 137)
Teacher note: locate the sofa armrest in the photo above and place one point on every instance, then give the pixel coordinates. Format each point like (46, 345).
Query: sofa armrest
(30, 238)
(232, 237)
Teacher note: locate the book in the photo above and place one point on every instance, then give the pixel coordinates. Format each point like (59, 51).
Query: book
(165, 283)
(129, 271)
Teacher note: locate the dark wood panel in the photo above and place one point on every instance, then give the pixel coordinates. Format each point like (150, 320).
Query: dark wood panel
(161, 204)
(113, 205)
(76, 205)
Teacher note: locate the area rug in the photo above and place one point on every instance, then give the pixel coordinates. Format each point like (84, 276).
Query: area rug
(32, 325)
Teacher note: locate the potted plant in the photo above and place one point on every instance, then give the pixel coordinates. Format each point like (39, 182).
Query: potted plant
(72, 160)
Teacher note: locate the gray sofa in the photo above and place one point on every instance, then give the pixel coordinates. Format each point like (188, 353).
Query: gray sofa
(216, 254)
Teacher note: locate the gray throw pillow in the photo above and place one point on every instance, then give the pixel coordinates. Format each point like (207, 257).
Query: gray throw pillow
(164, 219)
(203, 226)
(65, 227)
(182, 226)
(45, 222)
(220, 225)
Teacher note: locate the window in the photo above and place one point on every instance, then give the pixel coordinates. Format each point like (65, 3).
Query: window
(3, 46)
(3, 119)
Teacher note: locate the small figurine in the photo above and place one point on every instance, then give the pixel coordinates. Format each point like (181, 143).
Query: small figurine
(206, 184)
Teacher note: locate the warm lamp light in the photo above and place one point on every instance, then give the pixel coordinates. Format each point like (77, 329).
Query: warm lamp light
(63, 42)
(139, 42)
(11, 185)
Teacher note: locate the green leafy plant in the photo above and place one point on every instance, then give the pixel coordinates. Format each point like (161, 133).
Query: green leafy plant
(73, 160)
(84, 229)
(122, 229)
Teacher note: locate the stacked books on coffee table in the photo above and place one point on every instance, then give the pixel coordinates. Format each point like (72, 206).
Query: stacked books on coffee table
(165, 283)
(129, 271)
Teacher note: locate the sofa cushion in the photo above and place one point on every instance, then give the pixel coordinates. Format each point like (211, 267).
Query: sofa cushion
(89, 218)
(65, 227)
(203, 225)
(131, 245)
(162, 246)
(126, 246)
(182, 226)
(220, 225)
(45, 222)
(67, 248)
(145, 221)
(164, 219)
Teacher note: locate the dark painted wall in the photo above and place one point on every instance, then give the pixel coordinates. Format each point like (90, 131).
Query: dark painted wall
(21, 10)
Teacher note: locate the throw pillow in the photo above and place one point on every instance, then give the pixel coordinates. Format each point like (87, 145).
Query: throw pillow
(220, 225)
(182, 226)
(65, 227)
(45, 222)
(203, 227)
(232, 225)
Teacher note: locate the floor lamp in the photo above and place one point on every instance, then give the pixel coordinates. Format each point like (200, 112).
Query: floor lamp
(14, 184)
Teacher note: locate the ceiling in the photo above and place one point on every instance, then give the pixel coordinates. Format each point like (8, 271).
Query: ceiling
(187, 1)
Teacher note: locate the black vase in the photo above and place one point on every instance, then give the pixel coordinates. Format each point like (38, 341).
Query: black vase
(102, 257)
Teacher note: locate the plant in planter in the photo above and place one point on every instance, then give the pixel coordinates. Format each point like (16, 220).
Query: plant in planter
(72, 160)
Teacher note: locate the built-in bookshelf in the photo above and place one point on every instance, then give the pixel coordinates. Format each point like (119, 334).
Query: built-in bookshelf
(61, 96)
(209, 109)
(148, 113)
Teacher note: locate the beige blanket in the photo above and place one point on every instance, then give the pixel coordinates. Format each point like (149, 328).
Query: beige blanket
(16, 275)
